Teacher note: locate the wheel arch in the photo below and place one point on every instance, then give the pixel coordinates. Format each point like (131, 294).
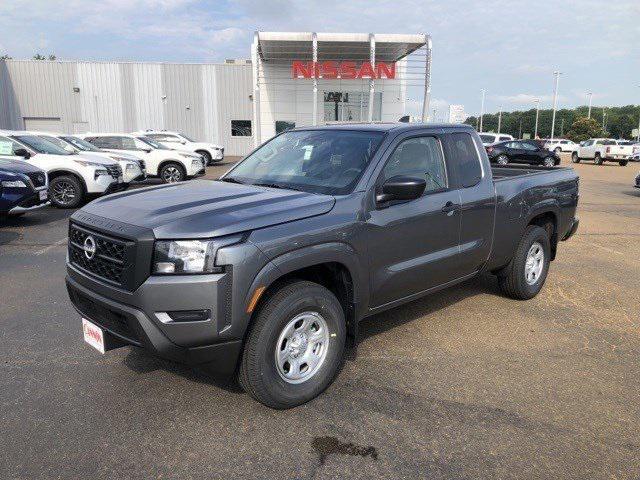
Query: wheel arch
(547, 219)
(163, 163)
(59, 172)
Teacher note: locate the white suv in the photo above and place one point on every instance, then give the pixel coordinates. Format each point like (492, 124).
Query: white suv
(133, 168)
(211, 152)
(560, 145)
(170, 165)
(493, 138)
(72, 177)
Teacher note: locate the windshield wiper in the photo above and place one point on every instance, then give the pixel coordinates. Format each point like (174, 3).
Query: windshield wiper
(275, 185)
(231, 180)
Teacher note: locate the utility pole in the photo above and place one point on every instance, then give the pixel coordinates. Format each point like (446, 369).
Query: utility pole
(499, 119)
(604, 119)
(537, 102)
(520, 128)
(482, 108)
(555, 103)
(638, 136)
(590, 95)
(562, 127)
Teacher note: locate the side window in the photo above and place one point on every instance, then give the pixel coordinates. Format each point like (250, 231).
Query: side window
(503, 139)
(282, 126)
(125, 143)
(103, 142)
(241, 128)
(8, 146)
(419, 157)
(463, 159)
(528, 146)
(512, 145)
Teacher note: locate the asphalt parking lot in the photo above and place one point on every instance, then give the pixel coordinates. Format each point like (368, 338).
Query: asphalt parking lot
(462, 384)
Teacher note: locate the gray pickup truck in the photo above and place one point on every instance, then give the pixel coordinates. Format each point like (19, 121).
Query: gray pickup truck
(265, 273)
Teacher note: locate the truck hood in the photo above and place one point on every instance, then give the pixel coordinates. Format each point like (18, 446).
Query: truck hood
(207, 208)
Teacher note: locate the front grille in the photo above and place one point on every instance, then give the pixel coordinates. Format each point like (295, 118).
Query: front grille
(109, 262)
(38, 179)
(104, 317)
(114, 170)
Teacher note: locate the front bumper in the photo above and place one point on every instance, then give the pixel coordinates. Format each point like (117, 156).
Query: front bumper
(116, 187)
(136, 318)
(22, 203)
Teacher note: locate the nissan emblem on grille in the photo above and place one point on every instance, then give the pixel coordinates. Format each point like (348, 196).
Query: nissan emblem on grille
(89, 247)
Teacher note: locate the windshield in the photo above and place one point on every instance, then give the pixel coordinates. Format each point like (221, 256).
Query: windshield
(187, 138)
(316, 161)
(81, 144)
(152, 143)
(40, 145)
(60, 143)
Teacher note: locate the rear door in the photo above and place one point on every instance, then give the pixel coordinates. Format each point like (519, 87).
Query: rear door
(530, 153)
(413, 245)
(515, 152)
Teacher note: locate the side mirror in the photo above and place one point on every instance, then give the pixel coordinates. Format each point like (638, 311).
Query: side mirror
(147, 150)
(183, 142)
(401, 188)
(22, 152)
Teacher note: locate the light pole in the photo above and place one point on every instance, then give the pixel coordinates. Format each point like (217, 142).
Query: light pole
(482, 108)
(555, 103)
(499, 119)
(604, 119)
(537, 102)
(638, 136)
(590, 95)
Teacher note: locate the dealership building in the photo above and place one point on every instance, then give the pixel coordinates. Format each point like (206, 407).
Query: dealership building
(292, 79)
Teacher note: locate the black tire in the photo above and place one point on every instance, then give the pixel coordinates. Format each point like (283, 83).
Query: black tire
(207, 157)
(512, 278)
(597, 159)
(172, 172)
(66, 191)
(623, 163)
(258, 374)
(558, 150)
(575, 158)
(502, 159)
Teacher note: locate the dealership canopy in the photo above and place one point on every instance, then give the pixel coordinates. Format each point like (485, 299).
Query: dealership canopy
(341, 56)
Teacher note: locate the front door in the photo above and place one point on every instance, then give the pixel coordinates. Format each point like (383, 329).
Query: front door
(413, 244)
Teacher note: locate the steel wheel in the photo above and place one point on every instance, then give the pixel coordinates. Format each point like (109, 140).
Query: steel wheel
(534, 263)
(63, 192)
(549, 162)
(171, 174)
(502, 159)
(302, 347)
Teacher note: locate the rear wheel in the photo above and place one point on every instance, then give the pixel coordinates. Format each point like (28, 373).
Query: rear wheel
(597, 159)
(575, 158)
(502, 159)
(172, 172)
(295, 347)
(65, 191)
(525, 275)
(549, 162)
(558, 150)
(623, 163)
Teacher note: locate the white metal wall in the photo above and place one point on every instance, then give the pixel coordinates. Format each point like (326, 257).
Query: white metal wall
(198, 99)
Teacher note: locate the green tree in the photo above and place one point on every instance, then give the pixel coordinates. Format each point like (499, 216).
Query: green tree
(5, 57)
(37, 56)
(585, 128)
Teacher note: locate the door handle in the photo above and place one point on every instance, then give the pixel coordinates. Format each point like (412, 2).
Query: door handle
(450, 207)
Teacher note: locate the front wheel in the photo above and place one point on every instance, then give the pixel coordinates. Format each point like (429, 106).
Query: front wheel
(623, 163)
(525, 275)
(295, 346)
(549, 162)
(575, 158)
(502, 159)
(65, 191)
(172, 172)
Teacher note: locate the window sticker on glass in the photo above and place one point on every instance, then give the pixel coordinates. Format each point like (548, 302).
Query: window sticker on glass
(6, 148)
(308, 149)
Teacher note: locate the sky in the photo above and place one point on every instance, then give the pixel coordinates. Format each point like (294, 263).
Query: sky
(508, 48)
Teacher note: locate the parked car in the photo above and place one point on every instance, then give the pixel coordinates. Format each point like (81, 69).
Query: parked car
(559, 145)
(522, 151)
(133, 168)
(267, 272)
(73, 178)
(493, 138)
(161, 161)
(23, 187)
(602, 150)
(211, 152)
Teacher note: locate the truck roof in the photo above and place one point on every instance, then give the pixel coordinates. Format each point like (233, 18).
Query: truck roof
(387, 126)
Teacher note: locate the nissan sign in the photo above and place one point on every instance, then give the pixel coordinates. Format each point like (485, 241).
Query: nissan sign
(342, 70)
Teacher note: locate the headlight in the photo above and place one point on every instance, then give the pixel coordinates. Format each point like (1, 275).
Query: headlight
(196, 162)
(14, 184)
(86, 163)
(189, 256)
(98, 172)
(130, 166)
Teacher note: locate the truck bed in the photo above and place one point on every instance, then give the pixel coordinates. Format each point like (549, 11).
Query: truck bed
(510, 171)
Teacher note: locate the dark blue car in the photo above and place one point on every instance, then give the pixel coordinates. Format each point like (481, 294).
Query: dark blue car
(23, 187)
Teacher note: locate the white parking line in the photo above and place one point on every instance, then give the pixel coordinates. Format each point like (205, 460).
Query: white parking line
(53, 245)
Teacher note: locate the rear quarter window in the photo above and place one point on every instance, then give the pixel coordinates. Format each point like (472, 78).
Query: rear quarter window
(462, 159)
